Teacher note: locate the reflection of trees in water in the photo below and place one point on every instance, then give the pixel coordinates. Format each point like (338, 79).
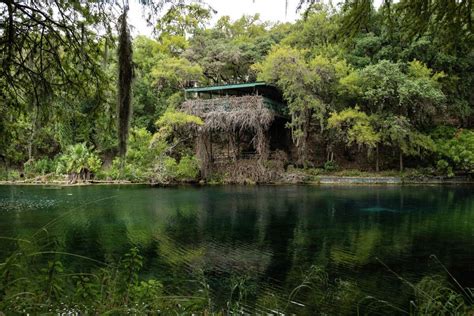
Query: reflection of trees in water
(102, 237)
(183, 227)
(265, 233)
(279, 233)
(341, 229)
(342, 237)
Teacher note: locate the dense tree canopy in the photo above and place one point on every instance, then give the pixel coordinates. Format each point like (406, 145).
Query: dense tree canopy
(355, 77)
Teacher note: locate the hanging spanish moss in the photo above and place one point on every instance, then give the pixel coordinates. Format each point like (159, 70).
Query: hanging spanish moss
(125, 78)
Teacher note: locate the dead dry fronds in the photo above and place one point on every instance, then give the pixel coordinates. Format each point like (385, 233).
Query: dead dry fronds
(231, 116)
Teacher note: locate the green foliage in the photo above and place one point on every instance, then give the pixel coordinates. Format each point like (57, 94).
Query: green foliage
(397, 131)
(309, 87)
(330, 166)
(183, 20)
(434, 296)
(160, 77)
(167, 169)
(457, 152)
(415, 94)
(171, 121)
(354, 127)
(188, 168)
(139, 159)
(39, 167)
(443, 132)
(11, 175)
(444, 168)
(407, 65)
(227, 52)
(317, 31)
(148, 159)
(116, 287)
(78, 160)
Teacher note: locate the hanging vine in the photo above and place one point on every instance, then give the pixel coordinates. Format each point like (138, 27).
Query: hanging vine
(125, 77)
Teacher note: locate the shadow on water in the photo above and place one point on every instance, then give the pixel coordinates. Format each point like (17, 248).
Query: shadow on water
(264, 238)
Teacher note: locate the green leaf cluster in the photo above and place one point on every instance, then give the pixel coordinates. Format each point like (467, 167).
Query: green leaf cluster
(78, 159)
(456, 152)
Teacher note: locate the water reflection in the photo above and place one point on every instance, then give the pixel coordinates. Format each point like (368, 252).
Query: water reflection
(269, 236)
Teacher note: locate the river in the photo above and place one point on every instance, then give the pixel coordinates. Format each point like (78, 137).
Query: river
(269, 238)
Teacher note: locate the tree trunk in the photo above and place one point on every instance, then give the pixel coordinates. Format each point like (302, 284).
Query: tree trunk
(401, 161)
(377, 169)
(34, 125)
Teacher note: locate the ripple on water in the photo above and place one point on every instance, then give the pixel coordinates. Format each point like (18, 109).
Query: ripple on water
(22, 205)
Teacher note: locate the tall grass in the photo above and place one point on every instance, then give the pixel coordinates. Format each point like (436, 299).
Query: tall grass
(432, 295)
(35, 281)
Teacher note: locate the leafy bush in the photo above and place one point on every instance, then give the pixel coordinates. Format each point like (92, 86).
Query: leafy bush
(171, 120)
(140, 159)
(443, 132)
(148, 156)
(456, 153)
(39, 167)
(124, 170)
(331, 166)
(9, 175)
(444, 168)
(188, 168)
(171, 167)
(116, 289)
(354, 126)
(78, 161)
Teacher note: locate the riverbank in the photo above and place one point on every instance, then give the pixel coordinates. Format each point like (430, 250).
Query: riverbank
(288, 178)
(391, 180)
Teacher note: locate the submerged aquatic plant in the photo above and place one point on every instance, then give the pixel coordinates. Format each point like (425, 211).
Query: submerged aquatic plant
(433, 295)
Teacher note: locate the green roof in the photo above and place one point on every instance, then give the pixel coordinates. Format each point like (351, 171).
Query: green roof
(227, 87)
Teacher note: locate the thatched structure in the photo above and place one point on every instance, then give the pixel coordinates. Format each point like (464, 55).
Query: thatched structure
(231, 118)
(244, 126)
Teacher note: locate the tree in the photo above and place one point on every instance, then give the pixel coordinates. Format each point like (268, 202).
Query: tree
(227, 52)
(49, 47)
(398, 132)
(309, 87)
(79, 162)
(41, 41)
(414, 94)
(180, 23)
(355, 128)
(317, 31)
(437, 33)
(159, 79)
(455, 149)
(184, 20)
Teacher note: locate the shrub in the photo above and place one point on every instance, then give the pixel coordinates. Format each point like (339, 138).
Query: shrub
(124, 170)
(188, 168)
(39, 167)
(331, 166)
(13, 175)
(457, 152)
(79, 162)
(443, 167)
(171, 167)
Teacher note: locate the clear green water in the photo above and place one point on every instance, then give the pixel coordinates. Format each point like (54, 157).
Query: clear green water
(269, 236)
